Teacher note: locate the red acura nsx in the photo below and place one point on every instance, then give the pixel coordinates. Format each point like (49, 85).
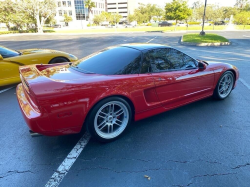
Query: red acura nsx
(105, 91)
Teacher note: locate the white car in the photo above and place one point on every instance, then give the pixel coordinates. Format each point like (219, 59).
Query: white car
(206, 24)
(181, 24)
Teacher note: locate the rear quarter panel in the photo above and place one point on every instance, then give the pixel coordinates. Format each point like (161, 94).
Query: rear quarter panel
(68, 103)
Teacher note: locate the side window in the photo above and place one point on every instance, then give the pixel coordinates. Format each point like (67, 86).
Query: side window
(132, 68)
(146, 68)
(180, 60)
(155, 61)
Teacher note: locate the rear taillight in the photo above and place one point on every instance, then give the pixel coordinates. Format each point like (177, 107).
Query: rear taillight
(25, 84)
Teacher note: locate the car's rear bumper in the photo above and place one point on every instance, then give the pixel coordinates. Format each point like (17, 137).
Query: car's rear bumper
(29, 113)
(39, 122)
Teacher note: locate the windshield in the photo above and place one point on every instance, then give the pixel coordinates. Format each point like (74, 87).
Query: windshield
(6, 53)
(114, 61)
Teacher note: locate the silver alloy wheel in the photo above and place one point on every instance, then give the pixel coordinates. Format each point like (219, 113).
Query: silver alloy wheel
(111, 119)
(225, 85)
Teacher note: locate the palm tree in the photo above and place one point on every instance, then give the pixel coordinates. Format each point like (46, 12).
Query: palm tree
(89, 5)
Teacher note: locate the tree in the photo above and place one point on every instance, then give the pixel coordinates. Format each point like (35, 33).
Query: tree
(40, 10)
(177, 10)
(144, 13)
(241, 4)
(115, 18)
(89, 5)
(67, 19)
(7, 10)
(197, 4)
(242, 18)
(131, 18)
(105, 16)
(195, 10)
(98, 19)
(228, 11)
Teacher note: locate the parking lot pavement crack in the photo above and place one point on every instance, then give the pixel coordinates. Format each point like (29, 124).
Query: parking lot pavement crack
(115, 171)
(240, 166)
(110, 158)
(144, 160)
(178, 185)
(212, 175)
(14, 172)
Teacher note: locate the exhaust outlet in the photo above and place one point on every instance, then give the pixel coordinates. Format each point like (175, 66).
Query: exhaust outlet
(34, 134)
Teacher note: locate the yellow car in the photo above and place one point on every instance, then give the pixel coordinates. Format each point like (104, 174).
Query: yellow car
(10, 60)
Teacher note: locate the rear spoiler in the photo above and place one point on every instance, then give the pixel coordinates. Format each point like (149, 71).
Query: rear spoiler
(32, 73)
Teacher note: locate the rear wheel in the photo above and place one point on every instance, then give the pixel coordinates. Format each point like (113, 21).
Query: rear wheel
(58, 60)
(109, 119)
(224, 86)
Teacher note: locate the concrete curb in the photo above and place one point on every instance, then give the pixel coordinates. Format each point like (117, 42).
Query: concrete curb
(204, 44)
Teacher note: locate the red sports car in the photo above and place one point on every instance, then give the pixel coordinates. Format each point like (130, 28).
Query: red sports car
(105, 91)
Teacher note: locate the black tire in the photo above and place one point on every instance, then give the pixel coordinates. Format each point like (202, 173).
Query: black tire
(101, 132)
(58, 60)
(217, 94)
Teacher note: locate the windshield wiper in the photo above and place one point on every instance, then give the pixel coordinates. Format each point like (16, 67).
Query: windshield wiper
(19, 52)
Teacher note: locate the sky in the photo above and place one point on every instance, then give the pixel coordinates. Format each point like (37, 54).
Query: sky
(190, 2)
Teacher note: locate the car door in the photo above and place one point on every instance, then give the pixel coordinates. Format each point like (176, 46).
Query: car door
(177, 78)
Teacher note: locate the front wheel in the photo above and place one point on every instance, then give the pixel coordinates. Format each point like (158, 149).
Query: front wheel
(109, 119)
(224, 86)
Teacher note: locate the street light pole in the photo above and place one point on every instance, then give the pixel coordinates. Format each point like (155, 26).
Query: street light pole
(202, 32)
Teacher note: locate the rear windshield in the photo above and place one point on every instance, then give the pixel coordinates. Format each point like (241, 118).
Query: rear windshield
(6, 53)
(114, 61)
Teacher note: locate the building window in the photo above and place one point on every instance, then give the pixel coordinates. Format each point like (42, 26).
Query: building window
(122, 3)
(59, 4)
(111, 3)
(69, 3)
(64, 12)
(80, 10)
(64, 3)
(111, 8)
(122, 7)
(123, 12)
(70, 12)
(60, 13)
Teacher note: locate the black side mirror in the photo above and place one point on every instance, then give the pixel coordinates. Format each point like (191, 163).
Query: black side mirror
(201, 66)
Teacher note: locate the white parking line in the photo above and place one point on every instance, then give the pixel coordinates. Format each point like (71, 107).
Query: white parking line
(246, 36)
(244, 82)
(151, 39)
(6, 89)
(63, 169)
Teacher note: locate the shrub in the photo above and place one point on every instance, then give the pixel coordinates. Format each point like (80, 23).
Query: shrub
(149, 24)
(48, 31)
(194, 23)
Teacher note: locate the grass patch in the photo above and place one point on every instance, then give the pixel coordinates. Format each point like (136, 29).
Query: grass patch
(208, 38)
(196, 28)
(241, 27)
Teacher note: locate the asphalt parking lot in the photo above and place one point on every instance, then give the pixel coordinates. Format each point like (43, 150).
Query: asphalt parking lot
(205, 143)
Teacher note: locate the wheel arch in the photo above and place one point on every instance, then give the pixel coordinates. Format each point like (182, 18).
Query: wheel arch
(127, 99)
(235, 75)
(59, 57)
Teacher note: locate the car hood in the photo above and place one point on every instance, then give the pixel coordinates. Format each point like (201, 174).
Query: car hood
(31, 51)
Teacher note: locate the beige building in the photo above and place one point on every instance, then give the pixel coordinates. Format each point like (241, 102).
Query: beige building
(123, 7)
